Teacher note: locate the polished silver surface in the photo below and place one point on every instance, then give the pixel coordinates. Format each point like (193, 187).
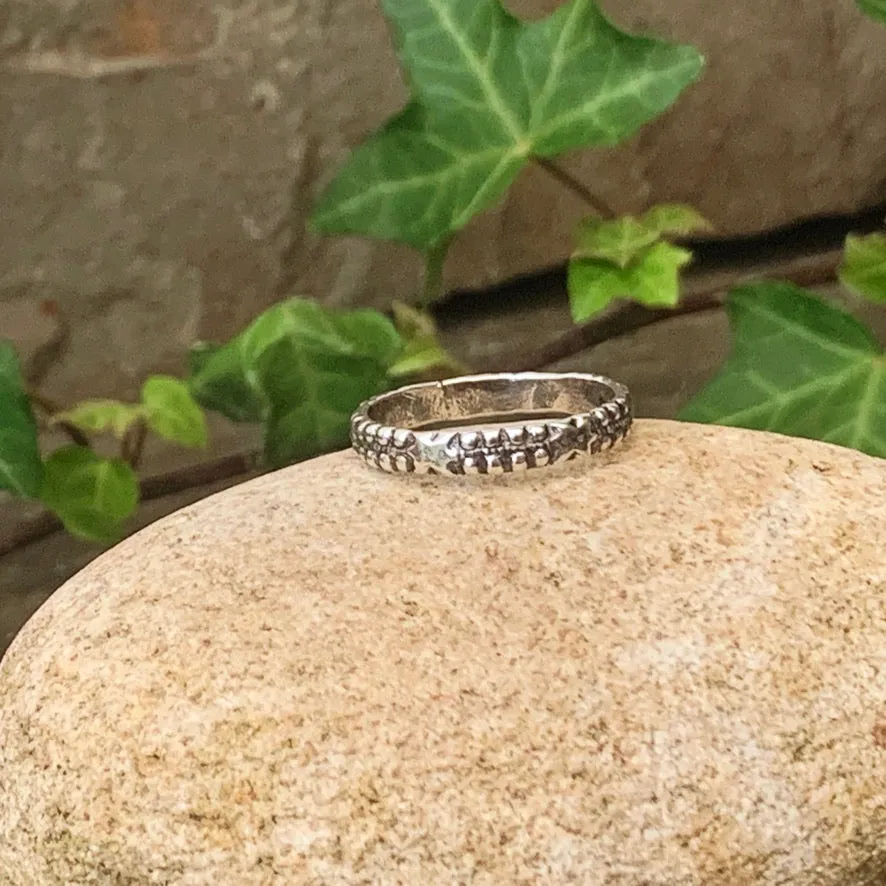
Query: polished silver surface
(491, 424)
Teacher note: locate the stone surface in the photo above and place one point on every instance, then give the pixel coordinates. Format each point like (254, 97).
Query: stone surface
(29, 575)
(161, 156)
(665, 667)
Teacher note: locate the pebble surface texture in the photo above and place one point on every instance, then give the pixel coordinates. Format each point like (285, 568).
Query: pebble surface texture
(663, 668)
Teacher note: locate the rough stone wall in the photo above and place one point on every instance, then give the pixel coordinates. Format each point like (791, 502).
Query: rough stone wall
(160, 157)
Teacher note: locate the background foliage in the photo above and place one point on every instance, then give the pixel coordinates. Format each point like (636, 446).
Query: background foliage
(490, 94)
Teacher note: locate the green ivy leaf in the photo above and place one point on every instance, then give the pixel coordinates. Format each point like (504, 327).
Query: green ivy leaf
(674, 219)
(171, 411)
(301, 369)
(312, 395)
(652, 278)
(91, 495)
(622, 240)
(98, 416)
(20, 468)
(616, 242)
(864, 266)
(422, 352)
(801, 367)
(199, 353)
(489, 92)
(874, 8)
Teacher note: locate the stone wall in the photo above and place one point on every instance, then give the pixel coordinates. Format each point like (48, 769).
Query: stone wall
(160, 158)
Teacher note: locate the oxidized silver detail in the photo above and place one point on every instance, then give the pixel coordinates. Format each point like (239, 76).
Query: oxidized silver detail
(591, 412)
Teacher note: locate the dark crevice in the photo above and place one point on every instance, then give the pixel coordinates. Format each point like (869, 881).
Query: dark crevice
(803, 239)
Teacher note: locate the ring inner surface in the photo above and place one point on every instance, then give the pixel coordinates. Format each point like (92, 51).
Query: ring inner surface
(492, 402)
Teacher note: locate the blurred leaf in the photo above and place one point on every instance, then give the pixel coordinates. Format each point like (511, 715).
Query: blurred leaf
(199, 353)
(20, 468)
(623, 240)
(489, 92)
(98, 416)
(864, 266)
(674, 219)
(652, 278)
(799, 366)
(312, 395)
(422, 352)
(301, 369)
(616, 242)
(171, 411)
(91, 495)
(874, 8)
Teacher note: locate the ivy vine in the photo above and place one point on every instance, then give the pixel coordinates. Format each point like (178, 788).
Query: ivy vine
(490, 95)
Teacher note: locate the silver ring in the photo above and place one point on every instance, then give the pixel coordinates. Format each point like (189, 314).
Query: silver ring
(491, 424)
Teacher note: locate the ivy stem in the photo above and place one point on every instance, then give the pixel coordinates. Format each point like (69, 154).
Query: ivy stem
(435, 259)
(597, 204)
(133, 443)
(50, 408)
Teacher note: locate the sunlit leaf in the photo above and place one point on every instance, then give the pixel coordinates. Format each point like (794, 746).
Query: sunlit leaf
(171, 411)
(91, 495)
(652, 278)
(98, 416)
(799, 366)
(20, 469)
(617, 242)
(489, 92)
(675, 219)
(864, 266)
(622, 240)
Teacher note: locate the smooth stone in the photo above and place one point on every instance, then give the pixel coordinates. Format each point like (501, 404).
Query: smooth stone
(664, 666)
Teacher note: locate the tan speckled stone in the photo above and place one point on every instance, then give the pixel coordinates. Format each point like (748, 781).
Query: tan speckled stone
(667, 668)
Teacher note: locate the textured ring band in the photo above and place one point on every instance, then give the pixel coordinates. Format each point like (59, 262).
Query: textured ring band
(491, 424)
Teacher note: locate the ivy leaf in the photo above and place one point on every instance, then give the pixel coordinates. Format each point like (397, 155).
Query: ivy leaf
(653, 278)
(98, 416)
(489, 92)
(312, 395)
(622, 240)
(20, 468)
(91, 495)
(171, 411)
(801, 367)
(422, 352)
(617, 242)
(874, 8)
(864, 266)
(674, 219)
(301, 369)
(199, 353)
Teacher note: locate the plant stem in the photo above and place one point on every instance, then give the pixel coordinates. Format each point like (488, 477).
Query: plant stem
(51, 408)
(435, 259)
(699, 296)
(133, 443)
(629, 318)
(597, 204)
(51, 352)
(227, 467)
